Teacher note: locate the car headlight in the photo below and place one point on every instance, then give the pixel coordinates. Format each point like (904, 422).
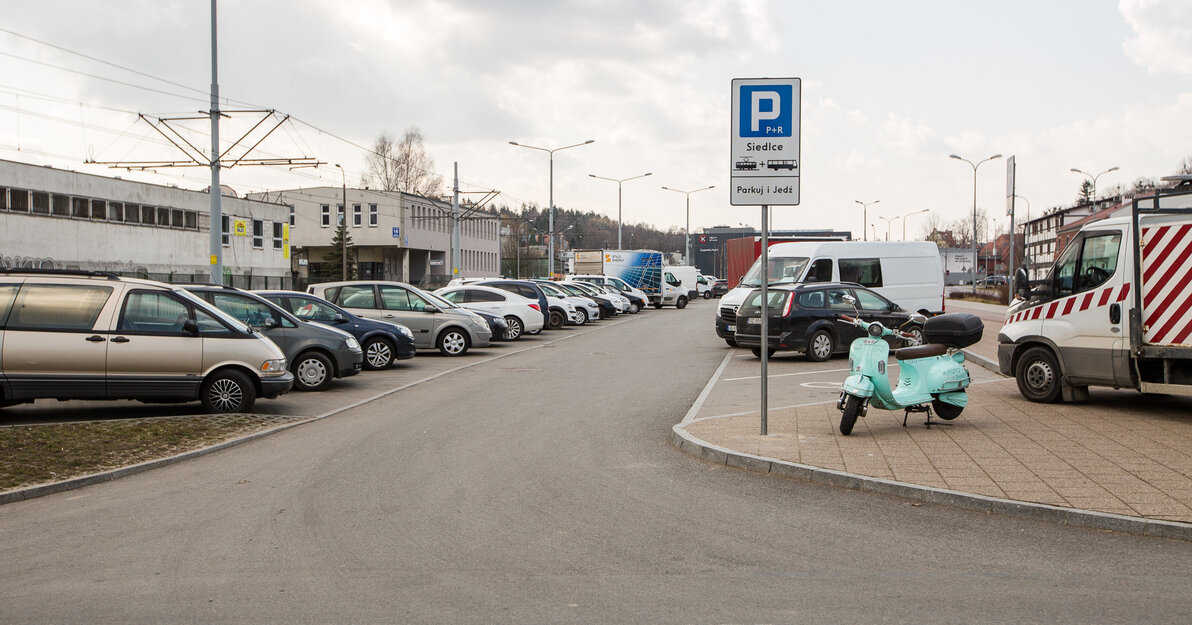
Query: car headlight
(404, 331)
(273, 366)
(352, 343)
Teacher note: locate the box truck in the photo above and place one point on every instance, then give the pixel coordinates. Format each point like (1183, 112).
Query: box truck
(1114, 310)
(641, 269)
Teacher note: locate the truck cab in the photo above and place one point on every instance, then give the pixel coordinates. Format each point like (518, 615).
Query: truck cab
(1113, 310)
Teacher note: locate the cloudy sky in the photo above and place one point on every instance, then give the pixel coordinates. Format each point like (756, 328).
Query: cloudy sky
(890, 89)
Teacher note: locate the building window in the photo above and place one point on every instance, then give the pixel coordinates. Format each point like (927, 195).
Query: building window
(3, 199)
(163, 216)
(225, 227)
(258, 234)
(191, 220)
(148, 215)
(291, 215)
(277, 235)
(116, 211)
(79, 207)
(357, 216)
(177, 218)
(373, 216)
(18, 200)
(339, 214)
(99, 210)
(326, 215)
(132, 213)
(60, 205)
(41, 203)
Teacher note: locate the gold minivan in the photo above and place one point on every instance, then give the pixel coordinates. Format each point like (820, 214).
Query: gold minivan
(68, 334)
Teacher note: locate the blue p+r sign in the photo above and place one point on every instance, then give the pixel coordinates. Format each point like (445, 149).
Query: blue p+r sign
(766, 111)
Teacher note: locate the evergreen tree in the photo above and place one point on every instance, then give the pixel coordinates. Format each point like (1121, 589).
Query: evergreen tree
(333, 260)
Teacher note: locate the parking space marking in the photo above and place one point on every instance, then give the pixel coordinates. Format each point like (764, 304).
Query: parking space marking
(822, 385)
(699, 401)
(784, 375)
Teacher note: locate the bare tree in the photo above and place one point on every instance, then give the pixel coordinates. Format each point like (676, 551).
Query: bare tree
(403, 166)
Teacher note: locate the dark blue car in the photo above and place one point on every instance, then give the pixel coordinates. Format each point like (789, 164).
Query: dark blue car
(383, 342)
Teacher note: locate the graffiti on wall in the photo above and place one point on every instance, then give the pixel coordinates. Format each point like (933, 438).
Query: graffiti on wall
(26, 262)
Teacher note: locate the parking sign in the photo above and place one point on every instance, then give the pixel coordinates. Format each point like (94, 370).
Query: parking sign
(764, 166)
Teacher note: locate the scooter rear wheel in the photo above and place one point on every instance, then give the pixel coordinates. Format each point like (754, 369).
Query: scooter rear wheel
(944, 410)
(848, 417)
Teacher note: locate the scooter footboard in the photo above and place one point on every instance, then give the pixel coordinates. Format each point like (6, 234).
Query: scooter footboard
(858, 385)
(955, 398)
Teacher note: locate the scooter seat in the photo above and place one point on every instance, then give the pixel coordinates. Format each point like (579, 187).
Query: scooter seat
(921, 351)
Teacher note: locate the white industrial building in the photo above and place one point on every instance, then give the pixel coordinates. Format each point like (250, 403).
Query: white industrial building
(55, 218)
(394, 235)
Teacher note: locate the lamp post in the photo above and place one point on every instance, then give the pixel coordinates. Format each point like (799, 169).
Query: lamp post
(342, 226)
(619, 198)
(865, 217)
(888, 223)
(550, 262)
(1093, 178)
(975, 166)
(904, 218)
(687, 230)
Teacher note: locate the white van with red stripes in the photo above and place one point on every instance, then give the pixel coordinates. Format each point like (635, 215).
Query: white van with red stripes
(1112, 312)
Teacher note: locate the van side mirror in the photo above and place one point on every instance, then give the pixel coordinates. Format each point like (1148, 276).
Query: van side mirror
(1022, 284)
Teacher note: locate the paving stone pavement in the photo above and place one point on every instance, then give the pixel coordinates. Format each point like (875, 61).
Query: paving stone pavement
(1119, 453)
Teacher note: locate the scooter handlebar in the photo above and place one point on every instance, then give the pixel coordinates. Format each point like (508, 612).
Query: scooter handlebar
(848, 319)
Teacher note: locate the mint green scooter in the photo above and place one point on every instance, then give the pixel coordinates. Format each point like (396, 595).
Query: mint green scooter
(929, 377)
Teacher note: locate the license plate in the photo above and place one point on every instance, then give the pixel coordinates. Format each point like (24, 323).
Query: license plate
(754, 321)
(732, 328)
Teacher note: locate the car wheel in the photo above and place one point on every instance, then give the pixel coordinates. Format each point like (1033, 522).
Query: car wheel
(707, 295)
(515, 328)
(228, 391)
(918, 334)
(1038, 375)
(757, 351)
(378, 353)
(634, 308)
(583, 316)
(453, 342)
(557, 320)
(312, 372)
(731, 342)
(821, 346)
(681, 303)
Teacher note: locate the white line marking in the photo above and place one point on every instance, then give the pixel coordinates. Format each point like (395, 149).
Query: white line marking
(699, 401)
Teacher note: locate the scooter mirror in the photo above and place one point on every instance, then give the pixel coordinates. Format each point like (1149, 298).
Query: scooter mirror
(918, 318)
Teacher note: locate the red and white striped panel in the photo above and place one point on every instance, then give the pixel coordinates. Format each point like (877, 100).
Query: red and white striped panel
(1166, 278)
(1077, 303)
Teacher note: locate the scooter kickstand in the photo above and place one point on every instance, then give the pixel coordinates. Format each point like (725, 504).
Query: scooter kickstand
(921, 408)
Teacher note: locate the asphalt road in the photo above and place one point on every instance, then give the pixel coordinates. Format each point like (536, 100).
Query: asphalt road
(540, 488)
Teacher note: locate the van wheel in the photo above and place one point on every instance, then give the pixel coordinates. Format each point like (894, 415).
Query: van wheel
(707, 295)
(378, 354)
(228, 391)
(515, 328)
(821, 346)
(453, 342)
(1038, 375)
(657, 304)
(312, 372)
(557, 320)
(681, 303)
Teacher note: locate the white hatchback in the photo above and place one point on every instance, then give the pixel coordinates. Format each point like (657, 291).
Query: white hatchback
(521, 313)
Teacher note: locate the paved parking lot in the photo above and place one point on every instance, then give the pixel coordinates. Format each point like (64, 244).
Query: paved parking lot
(1120, 453)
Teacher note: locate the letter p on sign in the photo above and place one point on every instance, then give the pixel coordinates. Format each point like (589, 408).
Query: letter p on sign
(768, 111)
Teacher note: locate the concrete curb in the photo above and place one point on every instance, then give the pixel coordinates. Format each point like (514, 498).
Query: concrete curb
(691, 445)
(981, 361)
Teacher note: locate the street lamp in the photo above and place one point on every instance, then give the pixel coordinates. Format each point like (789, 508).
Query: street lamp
(550, 262)
(865, 217)
(342, 226)
(1094, 179)
(975, 166)
(904, 218)
(888, 223)
(687, 230)
(619, 198)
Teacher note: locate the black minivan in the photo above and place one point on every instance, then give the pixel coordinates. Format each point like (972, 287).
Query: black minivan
(804, 318)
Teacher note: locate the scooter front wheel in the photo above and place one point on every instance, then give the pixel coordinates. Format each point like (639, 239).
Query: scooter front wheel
(944, 410)
(848, 417)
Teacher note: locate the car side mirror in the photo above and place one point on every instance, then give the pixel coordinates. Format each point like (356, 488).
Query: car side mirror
(270, 323)
(1022, 284)
(339, 318)
(190, 327)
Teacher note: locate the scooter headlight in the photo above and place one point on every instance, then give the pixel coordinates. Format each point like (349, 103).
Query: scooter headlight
(875, 330)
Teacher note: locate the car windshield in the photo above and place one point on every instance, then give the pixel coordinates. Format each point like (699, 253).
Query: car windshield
(783, 270)
(576, 291)
(212, 310)
(551, 290)
(438, 301)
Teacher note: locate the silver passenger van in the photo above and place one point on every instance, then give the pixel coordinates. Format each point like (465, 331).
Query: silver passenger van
(94, 335)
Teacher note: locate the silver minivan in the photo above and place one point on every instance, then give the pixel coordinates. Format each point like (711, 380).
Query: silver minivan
(68, 334)
(435, 322)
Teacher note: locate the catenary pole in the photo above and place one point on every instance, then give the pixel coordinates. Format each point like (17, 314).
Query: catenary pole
(216, 228)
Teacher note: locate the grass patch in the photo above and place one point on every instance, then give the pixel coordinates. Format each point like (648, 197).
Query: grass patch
(38, 454)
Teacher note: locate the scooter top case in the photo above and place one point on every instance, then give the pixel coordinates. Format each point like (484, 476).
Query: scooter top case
(954, 329)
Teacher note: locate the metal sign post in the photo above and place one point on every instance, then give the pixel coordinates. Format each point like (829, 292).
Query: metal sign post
(764, 170)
